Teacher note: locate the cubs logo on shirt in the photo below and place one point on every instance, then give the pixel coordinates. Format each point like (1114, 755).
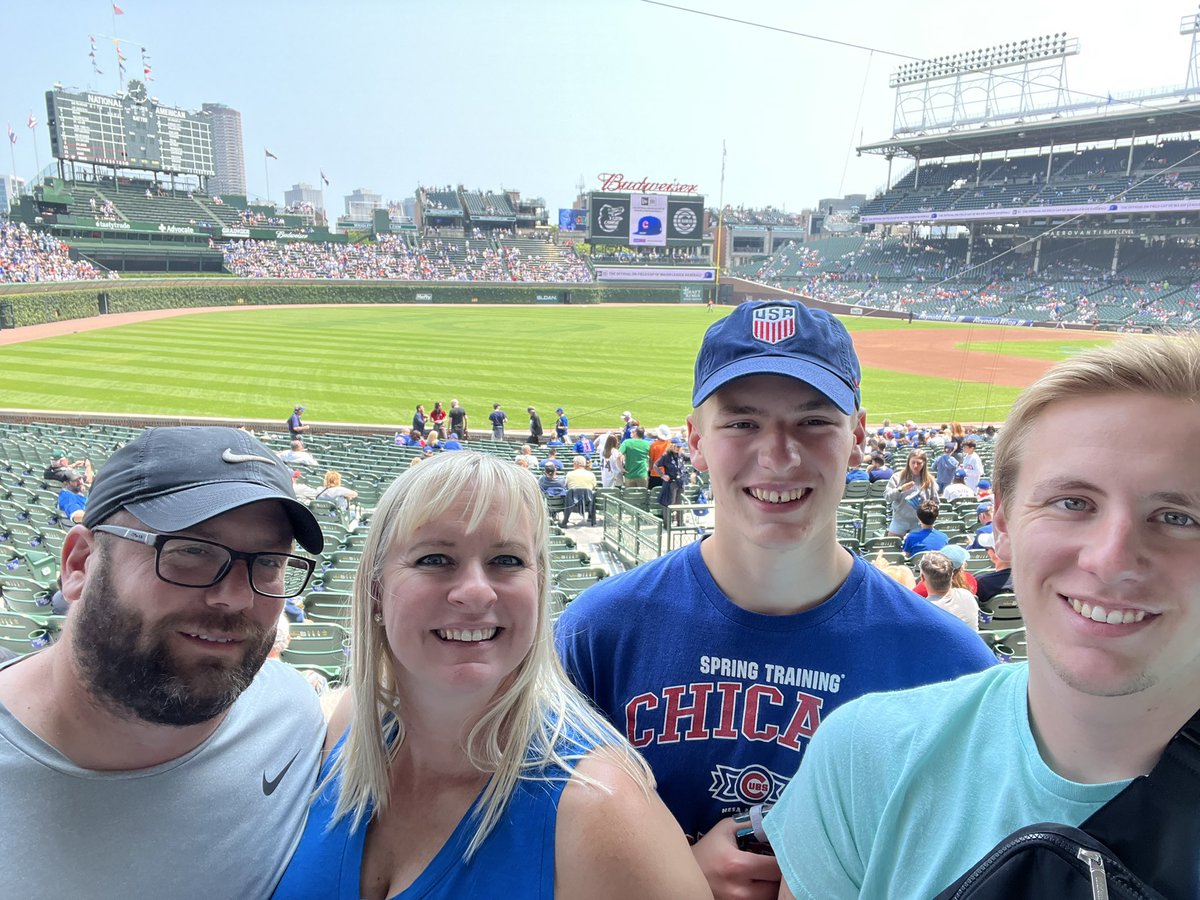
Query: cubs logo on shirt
(772, 324)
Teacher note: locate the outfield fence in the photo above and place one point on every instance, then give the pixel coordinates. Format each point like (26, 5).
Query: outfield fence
(36, 304)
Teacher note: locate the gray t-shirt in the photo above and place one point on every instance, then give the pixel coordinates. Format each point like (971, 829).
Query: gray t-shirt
(220, 821)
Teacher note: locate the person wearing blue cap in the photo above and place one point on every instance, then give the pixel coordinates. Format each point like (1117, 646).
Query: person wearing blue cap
(720, 660)
(561, 425)
(296, 427)
(958, 488)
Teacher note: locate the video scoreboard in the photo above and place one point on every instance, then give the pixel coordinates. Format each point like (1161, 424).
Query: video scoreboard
(129, 131)
(645, 220)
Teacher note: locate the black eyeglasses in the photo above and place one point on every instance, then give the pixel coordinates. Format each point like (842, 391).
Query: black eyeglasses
(195, 562)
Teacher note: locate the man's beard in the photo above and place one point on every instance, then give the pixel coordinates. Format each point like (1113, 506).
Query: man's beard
(128, 666)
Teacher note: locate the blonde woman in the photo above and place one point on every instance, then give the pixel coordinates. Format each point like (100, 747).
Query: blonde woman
(462, 763)
(333, 490)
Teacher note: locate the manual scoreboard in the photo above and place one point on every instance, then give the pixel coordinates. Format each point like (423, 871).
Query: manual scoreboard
(129, 131)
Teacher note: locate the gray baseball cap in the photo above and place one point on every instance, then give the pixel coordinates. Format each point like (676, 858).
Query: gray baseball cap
(174, 478)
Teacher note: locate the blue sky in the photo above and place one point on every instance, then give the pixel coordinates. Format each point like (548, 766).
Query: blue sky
(538, 95)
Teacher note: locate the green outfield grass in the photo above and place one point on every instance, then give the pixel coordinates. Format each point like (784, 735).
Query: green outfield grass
(373, 364)
(1036, 349)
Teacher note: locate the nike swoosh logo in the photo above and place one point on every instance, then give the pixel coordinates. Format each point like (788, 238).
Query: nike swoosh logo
(269, 785)
(230, 457)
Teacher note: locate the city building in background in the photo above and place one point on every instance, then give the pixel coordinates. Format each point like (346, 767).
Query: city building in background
(229, 160)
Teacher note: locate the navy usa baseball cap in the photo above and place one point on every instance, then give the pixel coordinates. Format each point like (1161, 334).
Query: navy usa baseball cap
(780, 337)
(174, 478)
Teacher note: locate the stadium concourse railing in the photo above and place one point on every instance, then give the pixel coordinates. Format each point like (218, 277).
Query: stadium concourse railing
(36, 304)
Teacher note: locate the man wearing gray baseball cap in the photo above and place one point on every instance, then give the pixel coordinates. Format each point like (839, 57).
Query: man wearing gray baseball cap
(150, 740)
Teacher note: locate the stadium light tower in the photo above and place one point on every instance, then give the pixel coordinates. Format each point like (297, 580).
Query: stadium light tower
(1190, 24)
(1005, 80)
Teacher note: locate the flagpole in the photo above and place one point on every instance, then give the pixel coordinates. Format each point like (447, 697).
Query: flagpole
(116, 45)
(720, 225)
(36, 156)
(12, 154)
(267, 172)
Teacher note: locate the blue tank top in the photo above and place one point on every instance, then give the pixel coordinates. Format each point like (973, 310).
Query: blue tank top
(516, 860)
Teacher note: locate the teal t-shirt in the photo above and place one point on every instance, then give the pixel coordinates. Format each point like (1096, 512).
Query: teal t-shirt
(901, 793)
(637, 457)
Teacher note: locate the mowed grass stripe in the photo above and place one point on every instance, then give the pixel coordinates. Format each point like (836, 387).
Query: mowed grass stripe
(373, 364)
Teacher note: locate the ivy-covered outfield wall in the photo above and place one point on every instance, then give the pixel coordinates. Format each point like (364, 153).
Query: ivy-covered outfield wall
(35, 304)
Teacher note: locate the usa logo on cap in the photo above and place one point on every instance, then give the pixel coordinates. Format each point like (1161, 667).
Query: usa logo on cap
(772, 324)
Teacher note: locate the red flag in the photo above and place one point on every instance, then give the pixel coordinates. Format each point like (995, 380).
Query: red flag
(117, 11)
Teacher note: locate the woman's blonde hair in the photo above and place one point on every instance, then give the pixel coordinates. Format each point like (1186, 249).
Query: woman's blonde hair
(536, 722)
(333, 479)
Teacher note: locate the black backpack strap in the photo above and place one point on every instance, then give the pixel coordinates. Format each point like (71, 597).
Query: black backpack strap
(1153, 825)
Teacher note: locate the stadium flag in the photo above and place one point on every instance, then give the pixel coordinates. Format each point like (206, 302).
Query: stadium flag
(117, 11)
(12, 135)
(324, 179)
(270, 155)
(32, 120)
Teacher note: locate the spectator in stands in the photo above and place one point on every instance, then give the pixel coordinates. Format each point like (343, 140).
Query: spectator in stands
(133, 727)
(432, 443)
(879, 470)
(551, 483)
(552, 458)
(907, 490)
(635, 451)
(630, 424)
(72, 501)
(452, 442)
(999, 579)
(523, 463)
(334, 491)
(958, 557)
(926, 537)
(857, 474)
(63, 466)
(983, 534)
(418, 420)
(672, 475)
(458, 556)
(972, 463)
(458, 420)
(535, 426)
(958, 489)
(771, 585)
(658, 446)
(304, 493)
(498, 418)
(527, 454)
(937, 573)
(1109, 588)
(283, 639)
(297, 455)
(944, 467)
(297, 428)
(561, 425)
(585, 447)
(581, 491)
(612, 464)
(437, 418)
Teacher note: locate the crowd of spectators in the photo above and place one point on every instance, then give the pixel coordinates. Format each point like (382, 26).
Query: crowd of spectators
(393, 257)
(29, 256)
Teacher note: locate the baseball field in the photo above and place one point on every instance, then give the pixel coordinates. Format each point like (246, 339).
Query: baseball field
(374, 364)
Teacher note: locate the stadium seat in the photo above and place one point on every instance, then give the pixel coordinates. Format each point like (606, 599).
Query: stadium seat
(317, 644)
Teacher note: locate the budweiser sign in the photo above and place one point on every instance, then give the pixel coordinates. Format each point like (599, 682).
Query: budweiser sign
(616, 182)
